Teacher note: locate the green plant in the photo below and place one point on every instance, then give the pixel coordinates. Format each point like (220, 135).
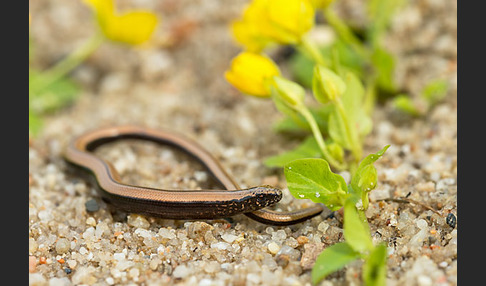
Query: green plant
(344, 78)
(51, 89)
(432, 93)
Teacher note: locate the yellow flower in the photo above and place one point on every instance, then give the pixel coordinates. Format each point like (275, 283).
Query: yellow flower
(133, 27)
(249, 35)
(247, 30)
(280, 21)
(251, 73)
(289, 19)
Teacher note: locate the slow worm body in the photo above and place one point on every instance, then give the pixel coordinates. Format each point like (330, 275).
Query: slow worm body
(177, 204)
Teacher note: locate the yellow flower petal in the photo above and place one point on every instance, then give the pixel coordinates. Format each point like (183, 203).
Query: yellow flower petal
(280, 21)
(133, 27)
(248, 35)
(102, 8)
(293, 16)
(250, 73)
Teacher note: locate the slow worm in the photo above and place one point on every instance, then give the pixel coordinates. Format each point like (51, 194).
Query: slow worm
(178, 204)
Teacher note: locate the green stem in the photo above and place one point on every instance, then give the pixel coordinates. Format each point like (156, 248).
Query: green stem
(302, 109)
(69, 63)
(350, 131)
(344, 32)
(370, 95)
(311, 48)
(365, 200)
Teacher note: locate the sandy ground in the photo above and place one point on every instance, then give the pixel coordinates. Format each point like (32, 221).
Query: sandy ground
(177, 83)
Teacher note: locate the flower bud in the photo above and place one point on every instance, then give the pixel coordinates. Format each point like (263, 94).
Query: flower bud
(291, 93)
(326, 85)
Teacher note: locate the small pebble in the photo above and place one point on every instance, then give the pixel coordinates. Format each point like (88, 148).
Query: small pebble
(279, 235)
(302, 240)
(426, 187)
(137, 221)
(309, 256)
(154, 263)
(91, 221)
(62, 246)
(451, 220)
(32, 264)
(181, 271)
(212, 267)
(92, 206)
(56, 281)
(229, 238)
(83, 250)
(32, 245)
(273, 247)
(134, 272)
(323, 226)
(288, 252)
(119, 256)
(72, 263)
(421, 223)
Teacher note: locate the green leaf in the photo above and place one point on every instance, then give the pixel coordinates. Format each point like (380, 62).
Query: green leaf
(349, 59)
(380, 13)
(297, 125)
(356, 228)
(361, 173)
(384, 63)
(353, 101)
(405, 104)
(332, 259)
(313, 179)
(57, 95)
(365, 177)
(308, 149)
(35, 123)
(374, 269)
(336, 151)
(435, 91)
(337, 130)
(302, 68)
(353, 107)
(290, 126)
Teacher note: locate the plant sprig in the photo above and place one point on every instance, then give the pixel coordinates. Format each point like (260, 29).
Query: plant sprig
(312, 179)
